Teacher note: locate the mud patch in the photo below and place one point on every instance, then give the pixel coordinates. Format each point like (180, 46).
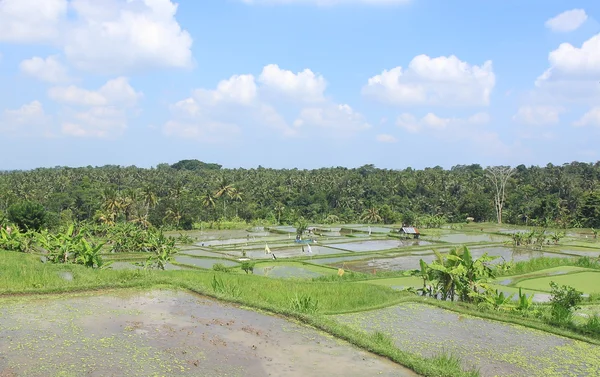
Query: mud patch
(166, 333)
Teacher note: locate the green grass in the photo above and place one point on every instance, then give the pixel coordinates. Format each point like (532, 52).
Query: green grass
(307, 266)
(543, 263)
(406, 281)
(586, 282)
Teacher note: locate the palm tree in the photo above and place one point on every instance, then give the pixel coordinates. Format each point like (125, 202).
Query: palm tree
(237, 196)
(371, 215)
(150, 199)
(279, 208)
(225, 190)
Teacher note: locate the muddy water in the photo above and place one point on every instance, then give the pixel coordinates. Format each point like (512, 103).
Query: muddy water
(166, 333)
(496, 348)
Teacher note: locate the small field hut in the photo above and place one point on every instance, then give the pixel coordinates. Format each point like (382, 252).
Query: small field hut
(410, 231)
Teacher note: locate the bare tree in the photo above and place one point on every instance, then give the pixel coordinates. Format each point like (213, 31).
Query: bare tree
(499, 176)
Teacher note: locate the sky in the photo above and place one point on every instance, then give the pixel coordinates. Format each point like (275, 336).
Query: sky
(299, 83)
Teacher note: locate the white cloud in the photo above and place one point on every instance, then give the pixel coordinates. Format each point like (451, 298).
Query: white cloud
(567, 21)
(385, 138)
(573, 74)
(304, 86)
(452, 130)
(538, 115)
(49, 70)
(337, 120)
(568, 61)
(30, 119)
(445, 81)
(96, 113)
(240, 89)
(116, 91)
(113, 36)
(108, 36)
(25, 21)
(430, 121)
(239, 104)
(591, 118)
(98, 121)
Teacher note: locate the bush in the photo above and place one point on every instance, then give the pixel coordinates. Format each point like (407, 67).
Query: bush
(28, 215)
(248, 267)
(564, 300)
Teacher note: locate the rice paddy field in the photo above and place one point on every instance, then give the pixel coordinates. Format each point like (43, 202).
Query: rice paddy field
(257, 302)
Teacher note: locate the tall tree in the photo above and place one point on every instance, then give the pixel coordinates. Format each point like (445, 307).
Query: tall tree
(499, 176)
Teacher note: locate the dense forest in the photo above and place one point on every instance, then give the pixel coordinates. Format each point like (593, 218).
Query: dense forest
(190, 191)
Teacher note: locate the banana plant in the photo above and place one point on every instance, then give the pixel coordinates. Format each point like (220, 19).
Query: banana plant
(525, 302)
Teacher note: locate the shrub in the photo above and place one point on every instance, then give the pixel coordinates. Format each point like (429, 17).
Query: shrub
(28, 215)
(564, 300)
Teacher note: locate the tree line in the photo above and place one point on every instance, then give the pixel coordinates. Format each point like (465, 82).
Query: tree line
(191, 191)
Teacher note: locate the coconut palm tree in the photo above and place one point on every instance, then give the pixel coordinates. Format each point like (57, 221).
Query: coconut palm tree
(371, 216)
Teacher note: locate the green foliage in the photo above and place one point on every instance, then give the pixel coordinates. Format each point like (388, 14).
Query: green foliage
(28, 215)
(525, 302)
(592, 325)
(220, 267)
(194, 165)
(304, 304)
(452, 365)
(16, 240)
(185, 239)
(225, 288)
(564, 301)
(382, 339)
(456, 275)
(171, 197)
(301, 226)
(248, 267)
(71, 247)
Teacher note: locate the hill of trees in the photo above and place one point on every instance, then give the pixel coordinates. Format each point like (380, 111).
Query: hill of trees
(190, 191)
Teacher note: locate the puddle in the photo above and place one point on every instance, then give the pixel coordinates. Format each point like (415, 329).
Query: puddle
(167, 333)
(207, 263)
(285, 272)
(376, 245)
(497, 349)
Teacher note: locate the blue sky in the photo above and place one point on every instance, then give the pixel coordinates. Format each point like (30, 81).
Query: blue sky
(299, 83)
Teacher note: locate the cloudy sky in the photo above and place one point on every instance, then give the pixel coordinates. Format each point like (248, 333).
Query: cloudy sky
(299, 83)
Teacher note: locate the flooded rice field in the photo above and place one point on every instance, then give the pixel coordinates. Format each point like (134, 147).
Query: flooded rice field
(286, 272)
(200, 253)
(166, 333)
(293, 252)
(139, 265)
(495, 348)
(207, 263)
(377, 245)
(461, 238)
